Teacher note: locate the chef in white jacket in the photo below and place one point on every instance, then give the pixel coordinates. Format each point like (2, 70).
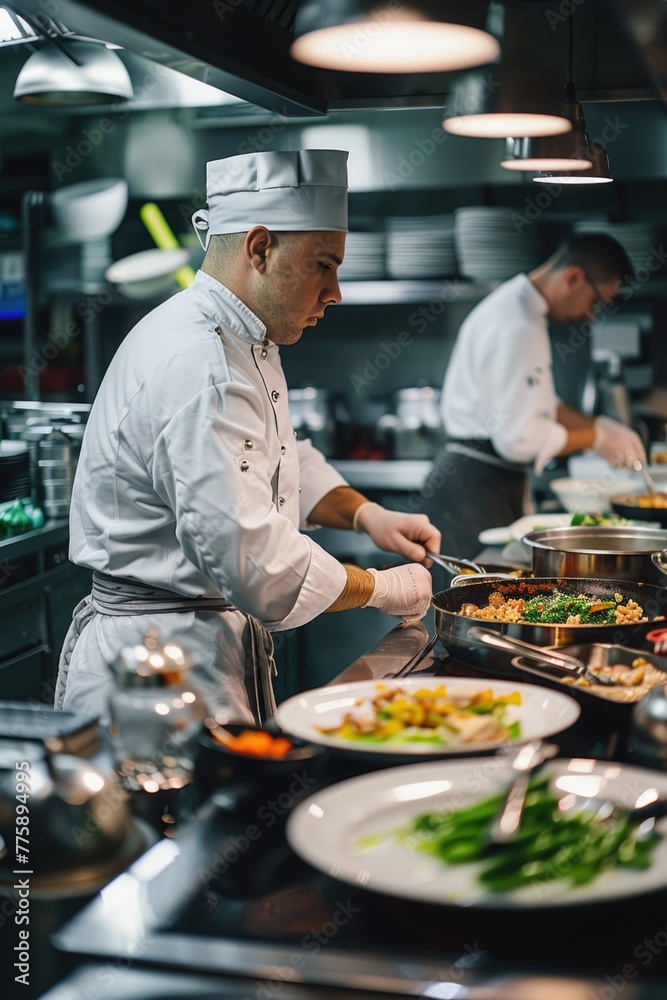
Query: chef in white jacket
(499, 405)
(191, 492)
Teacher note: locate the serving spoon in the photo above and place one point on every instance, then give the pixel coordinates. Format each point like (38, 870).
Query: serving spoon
(644, 473)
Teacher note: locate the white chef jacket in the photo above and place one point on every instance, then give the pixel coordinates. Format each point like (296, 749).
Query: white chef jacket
(190, 479)
(499, 382)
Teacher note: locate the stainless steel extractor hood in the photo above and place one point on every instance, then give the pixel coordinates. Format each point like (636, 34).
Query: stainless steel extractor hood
(241, 47)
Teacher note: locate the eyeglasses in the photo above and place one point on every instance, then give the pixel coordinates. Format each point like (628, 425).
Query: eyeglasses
(600, 301)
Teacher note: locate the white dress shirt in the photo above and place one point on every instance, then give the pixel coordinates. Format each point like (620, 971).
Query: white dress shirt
(190, 479)
(499, 382)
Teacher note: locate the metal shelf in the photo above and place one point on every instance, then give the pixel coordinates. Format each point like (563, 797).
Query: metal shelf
(390, 291)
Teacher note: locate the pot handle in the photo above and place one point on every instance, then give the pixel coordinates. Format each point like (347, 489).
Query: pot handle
(659, 559)
(509, 644)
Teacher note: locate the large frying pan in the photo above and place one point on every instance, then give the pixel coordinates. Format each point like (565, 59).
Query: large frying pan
(454, 628)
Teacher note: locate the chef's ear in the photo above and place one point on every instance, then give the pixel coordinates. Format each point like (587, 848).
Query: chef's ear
(574, 277)
(258, 243)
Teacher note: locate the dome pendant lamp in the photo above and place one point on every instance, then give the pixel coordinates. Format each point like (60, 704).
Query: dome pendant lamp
(598, 174)
(516, 96)
(71, 74)
(389, 36)
(568, 151)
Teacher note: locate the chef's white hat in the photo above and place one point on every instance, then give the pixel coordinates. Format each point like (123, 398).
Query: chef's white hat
(285, 190)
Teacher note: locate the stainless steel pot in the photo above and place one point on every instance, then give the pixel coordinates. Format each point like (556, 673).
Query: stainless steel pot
(624, 553)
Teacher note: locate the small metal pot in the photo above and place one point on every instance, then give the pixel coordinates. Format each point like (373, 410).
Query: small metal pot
(620, 553)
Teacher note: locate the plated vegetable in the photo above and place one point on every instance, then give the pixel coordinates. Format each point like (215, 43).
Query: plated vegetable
(429, 715)
(552, 843)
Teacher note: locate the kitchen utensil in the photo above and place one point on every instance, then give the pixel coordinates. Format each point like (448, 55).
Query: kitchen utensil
(606, 811)
(629, 505)
(415, 660)
(644, 473)
(306, 715)
(527, 760)
(453, 627)
(57, 457)
(650, 720)
(90, 210)
(77, 814)
(454, 565)
(148, 273)
(624, 552)
(159, 228)
(570, 665)
(351, 831)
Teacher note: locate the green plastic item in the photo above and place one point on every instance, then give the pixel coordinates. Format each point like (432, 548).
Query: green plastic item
(18, 517)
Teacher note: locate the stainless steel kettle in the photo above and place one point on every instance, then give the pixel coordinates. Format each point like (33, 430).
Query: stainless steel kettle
(77, 814)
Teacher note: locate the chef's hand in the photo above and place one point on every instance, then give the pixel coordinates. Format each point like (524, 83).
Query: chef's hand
(618, 443)
(402, 590)
(409, 535)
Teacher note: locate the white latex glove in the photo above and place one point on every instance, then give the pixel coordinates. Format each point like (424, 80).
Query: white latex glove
(409, 535)
(618, 443)
(402, 590)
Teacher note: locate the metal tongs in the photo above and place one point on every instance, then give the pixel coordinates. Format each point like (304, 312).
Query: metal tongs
(569, 666)
(457, 566)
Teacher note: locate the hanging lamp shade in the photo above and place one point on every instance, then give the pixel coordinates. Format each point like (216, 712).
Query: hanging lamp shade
(599, 172)
(93, 75)
(519, 95)
(567, 151)
(383, 36)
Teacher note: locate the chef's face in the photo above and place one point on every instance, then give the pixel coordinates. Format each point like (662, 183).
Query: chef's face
(300, 281)
(584, 296)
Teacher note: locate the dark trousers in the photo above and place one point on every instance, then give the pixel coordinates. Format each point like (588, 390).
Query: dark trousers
(463, 496)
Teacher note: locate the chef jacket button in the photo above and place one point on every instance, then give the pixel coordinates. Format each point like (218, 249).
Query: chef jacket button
(294, 433)
(300, 489)
(244, 466)
(248, 445)
(281, 500)
(283, 449)
(275, 395)
(263, 354)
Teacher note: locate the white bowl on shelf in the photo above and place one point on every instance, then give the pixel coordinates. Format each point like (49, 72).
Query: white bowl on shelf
(90, 210)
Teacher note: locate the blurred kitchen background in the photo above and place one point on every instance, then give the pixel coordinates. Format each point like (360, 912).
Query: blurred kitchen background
(435, 224)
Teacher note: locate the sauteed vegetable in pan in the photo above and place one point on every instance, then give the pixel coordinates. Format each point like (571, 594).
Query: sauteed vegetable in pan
(558, 608)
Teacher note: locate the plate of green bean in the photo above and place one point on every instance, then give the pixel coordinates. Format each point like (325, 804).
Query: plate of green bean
(422, 832)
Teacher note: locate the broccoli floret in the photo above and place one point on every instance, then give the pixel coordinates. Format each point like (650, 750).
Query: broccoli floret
(556, 608)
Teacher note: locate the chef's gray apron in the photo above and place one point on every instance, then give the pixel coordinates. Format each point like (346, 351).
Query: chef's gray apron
(470, 488)
(118, 597)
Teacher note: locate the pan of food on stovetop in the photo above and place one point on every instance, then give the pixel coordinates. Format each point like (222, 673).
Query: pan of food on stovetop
(546, 611)
(551, 612)
(641, 506)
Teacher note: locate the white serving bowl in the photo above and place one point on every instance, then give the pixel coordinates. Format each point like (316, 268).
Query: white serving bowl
(149, 273)
(90, 210)
(591, 496)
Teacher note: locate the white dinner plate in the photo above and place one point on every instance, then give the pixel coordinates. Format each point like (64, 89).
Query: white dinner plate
(348, 831)
(542, 713)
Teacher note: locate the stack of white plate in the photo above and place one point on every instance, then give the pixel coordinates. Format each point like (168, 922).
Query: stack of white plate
(491, 247)
(637, 238)
(364, 257)
(421, 246)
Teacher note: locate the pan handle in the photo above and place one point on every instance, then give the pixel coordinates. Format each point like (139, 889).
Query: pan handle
(659, 559)
(509, 644)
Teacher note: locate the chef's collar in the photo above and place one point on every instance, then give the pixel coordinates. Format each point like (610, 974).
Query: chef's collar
(226, 309)
(536, 301)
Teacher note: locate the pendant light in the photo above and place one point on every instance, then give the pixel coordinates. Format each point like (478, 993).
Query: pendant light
(516, 96)
(598, 174)
(84, 73)
(386, 36)
(570, 172)
(568, 152)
